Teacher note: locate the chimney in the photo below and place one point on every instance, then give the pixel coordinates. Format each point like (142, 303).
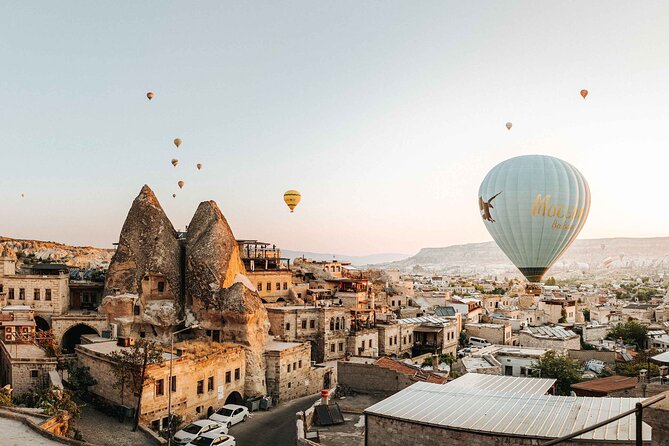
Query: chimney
(435, 362)
(325, 396)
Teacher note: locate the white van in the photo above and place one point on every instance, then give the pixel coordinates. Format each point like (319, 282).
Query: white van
(478, 342)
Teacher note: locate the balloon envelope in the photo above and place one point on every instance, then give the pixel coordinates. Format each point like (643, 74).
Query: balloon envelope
(175, 162)
(174, 195)
(509, 125)
(534, 206)
(292, 199)
(177, 142)
(149, 95)
(199, 166)
(181, 184)
(584, 93)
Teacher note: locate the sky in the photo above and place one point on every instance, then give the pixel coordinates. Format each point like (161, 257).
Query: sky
(386, 116)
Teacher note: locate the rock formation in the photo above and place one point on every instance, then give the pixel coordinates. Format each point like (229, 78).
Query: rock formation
(145, 269)
(222, 298)
(212, 254)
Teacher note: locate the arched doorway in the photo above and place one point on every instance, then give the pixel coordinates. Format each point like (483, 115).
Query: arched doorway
(41, 323)
(234, 398)
(72, 336)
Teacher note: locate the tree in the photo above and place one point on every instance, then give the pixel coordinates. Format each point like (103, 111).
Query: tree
(53, 401)
(79, 378)
(551, 281)
(566, 371)
(631, 333)
(586, 314)
(129, 369)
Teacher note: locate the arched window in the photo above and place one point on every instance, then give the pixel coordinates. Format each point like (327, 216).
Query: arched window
(337, 324)
(331, 324)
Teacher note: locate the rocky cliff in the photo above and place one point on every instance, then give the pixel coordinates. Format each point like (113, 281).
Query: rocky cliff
(148, 252)
(33, 251)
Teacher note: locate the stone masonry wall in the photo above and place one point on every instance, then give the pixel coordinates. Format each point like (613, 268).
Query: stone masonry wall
(368, 378)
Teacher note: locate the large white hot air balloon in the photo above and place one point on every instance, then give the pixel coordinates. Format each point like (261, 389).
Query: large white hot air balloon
(534, 206)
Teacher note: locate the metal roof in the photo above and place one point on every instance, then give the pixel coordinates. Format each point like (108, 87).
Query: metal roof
(508, 384)
(551, 332)
(424, 319)
(662, 357)
(502, 413)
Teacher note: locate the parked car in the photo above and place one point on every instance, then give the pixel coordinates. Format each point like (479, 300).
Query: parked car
(478, 342)
(230, 414)
(213, 439)
(199, 427)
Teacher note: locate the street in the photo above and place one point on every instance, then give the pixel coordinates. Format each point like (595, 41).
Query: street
(275, 427)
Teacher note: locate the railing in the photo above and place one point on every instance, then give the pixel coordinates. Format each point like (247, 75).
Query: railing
(638, 410)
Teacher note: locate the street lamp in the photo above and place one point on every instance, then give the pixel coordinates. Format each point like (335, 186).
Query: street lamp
(169, 383)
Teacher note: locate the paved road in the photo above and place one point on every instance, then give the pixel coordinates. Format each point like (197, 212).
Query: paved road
(15, 433)
(103, 430)
(275, 427)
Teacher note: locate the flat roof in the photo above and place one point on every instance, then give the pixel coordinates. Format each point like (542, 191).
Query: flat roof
(275, 346)
(25, 351)
(17, 308)
(608, 384)
(509, 384)
(425, 319)
(551, 332)
(472, 362)
(503, 413)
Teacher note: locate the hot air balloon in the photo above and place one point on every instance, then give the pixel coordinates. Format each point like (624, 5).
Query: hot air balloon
(509, 125)
(181, 184)
(174, 195)
(149, 95)
(534, 206)
(584, 93)
(175, 162)
(199, 166)
(22, 195)
(177, 142)
(292, 199)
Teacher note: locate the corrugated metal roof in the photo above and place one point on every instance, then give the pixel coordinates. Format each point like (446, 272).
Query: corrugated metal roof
(662, 357)
(523, 415)
(424, 319)
(552, 332)
(508, 384)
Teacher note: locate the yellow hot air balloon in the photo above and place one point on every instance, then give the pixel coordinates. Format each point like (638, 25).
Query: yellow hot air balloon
(509, 125)
(177, 142)
(584, 93)
(149, 95)
(199, 166)
(292, 199)
(175, 162)
(181, 184)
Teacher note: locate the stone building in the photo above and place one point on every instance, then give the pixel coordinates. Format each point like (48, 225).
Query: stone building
(556, 338)
(267, 270)
(499, 334)
(363, 343)
(24, 366)
(290, 373)
(395, 339)
(205, 376)
(159, 278)
(557, 309)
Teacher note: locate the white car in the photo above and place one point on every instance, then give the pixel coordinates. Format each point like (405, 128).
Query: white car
(230, 414)
(196, 428)
(213, 439)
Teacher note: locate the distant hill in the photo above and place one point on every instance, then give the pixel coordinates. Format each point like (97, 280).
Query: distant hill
(355, 260)
(609, 254)
(31, 251)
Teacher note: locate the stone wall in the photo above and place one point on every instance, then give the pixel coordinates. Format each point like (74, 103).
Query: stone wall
(58, 286)
(290, 374)
(368, 378)
(497, 334)
(383, 431)
(527, 340)
(261, 279)
(60, 324)
(608, 358)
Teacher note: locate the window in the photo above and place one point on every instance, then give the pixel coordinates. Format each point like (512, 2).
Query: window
(228, 377)
(312, 323)
(410, 340)
(370, 343)
(289, 385)
(200, 387)
(22, 294)
(174, 384)
(299, 363)
(331, 324)
(259, 286)
(11, 293)
(210, 384)
(362, 345)
(269, 286)
(288, 368)
(392, 304)
(299, 295)
(47, 294)
(161, 286)
(404, 340)
(34, 373)
(285, 285)
(237, 374)
(394, 340)
(295, 366)
(390, 340)
(337, 324)
(332, 348)
(341, 346)
(160, 387)
(36, 294)
(287, 326)
(136, 310)
(278, 286)
(304, 323)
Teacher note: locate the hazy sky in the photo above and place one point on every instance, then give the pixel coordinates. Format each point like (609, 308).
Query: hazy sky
(385, 115)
